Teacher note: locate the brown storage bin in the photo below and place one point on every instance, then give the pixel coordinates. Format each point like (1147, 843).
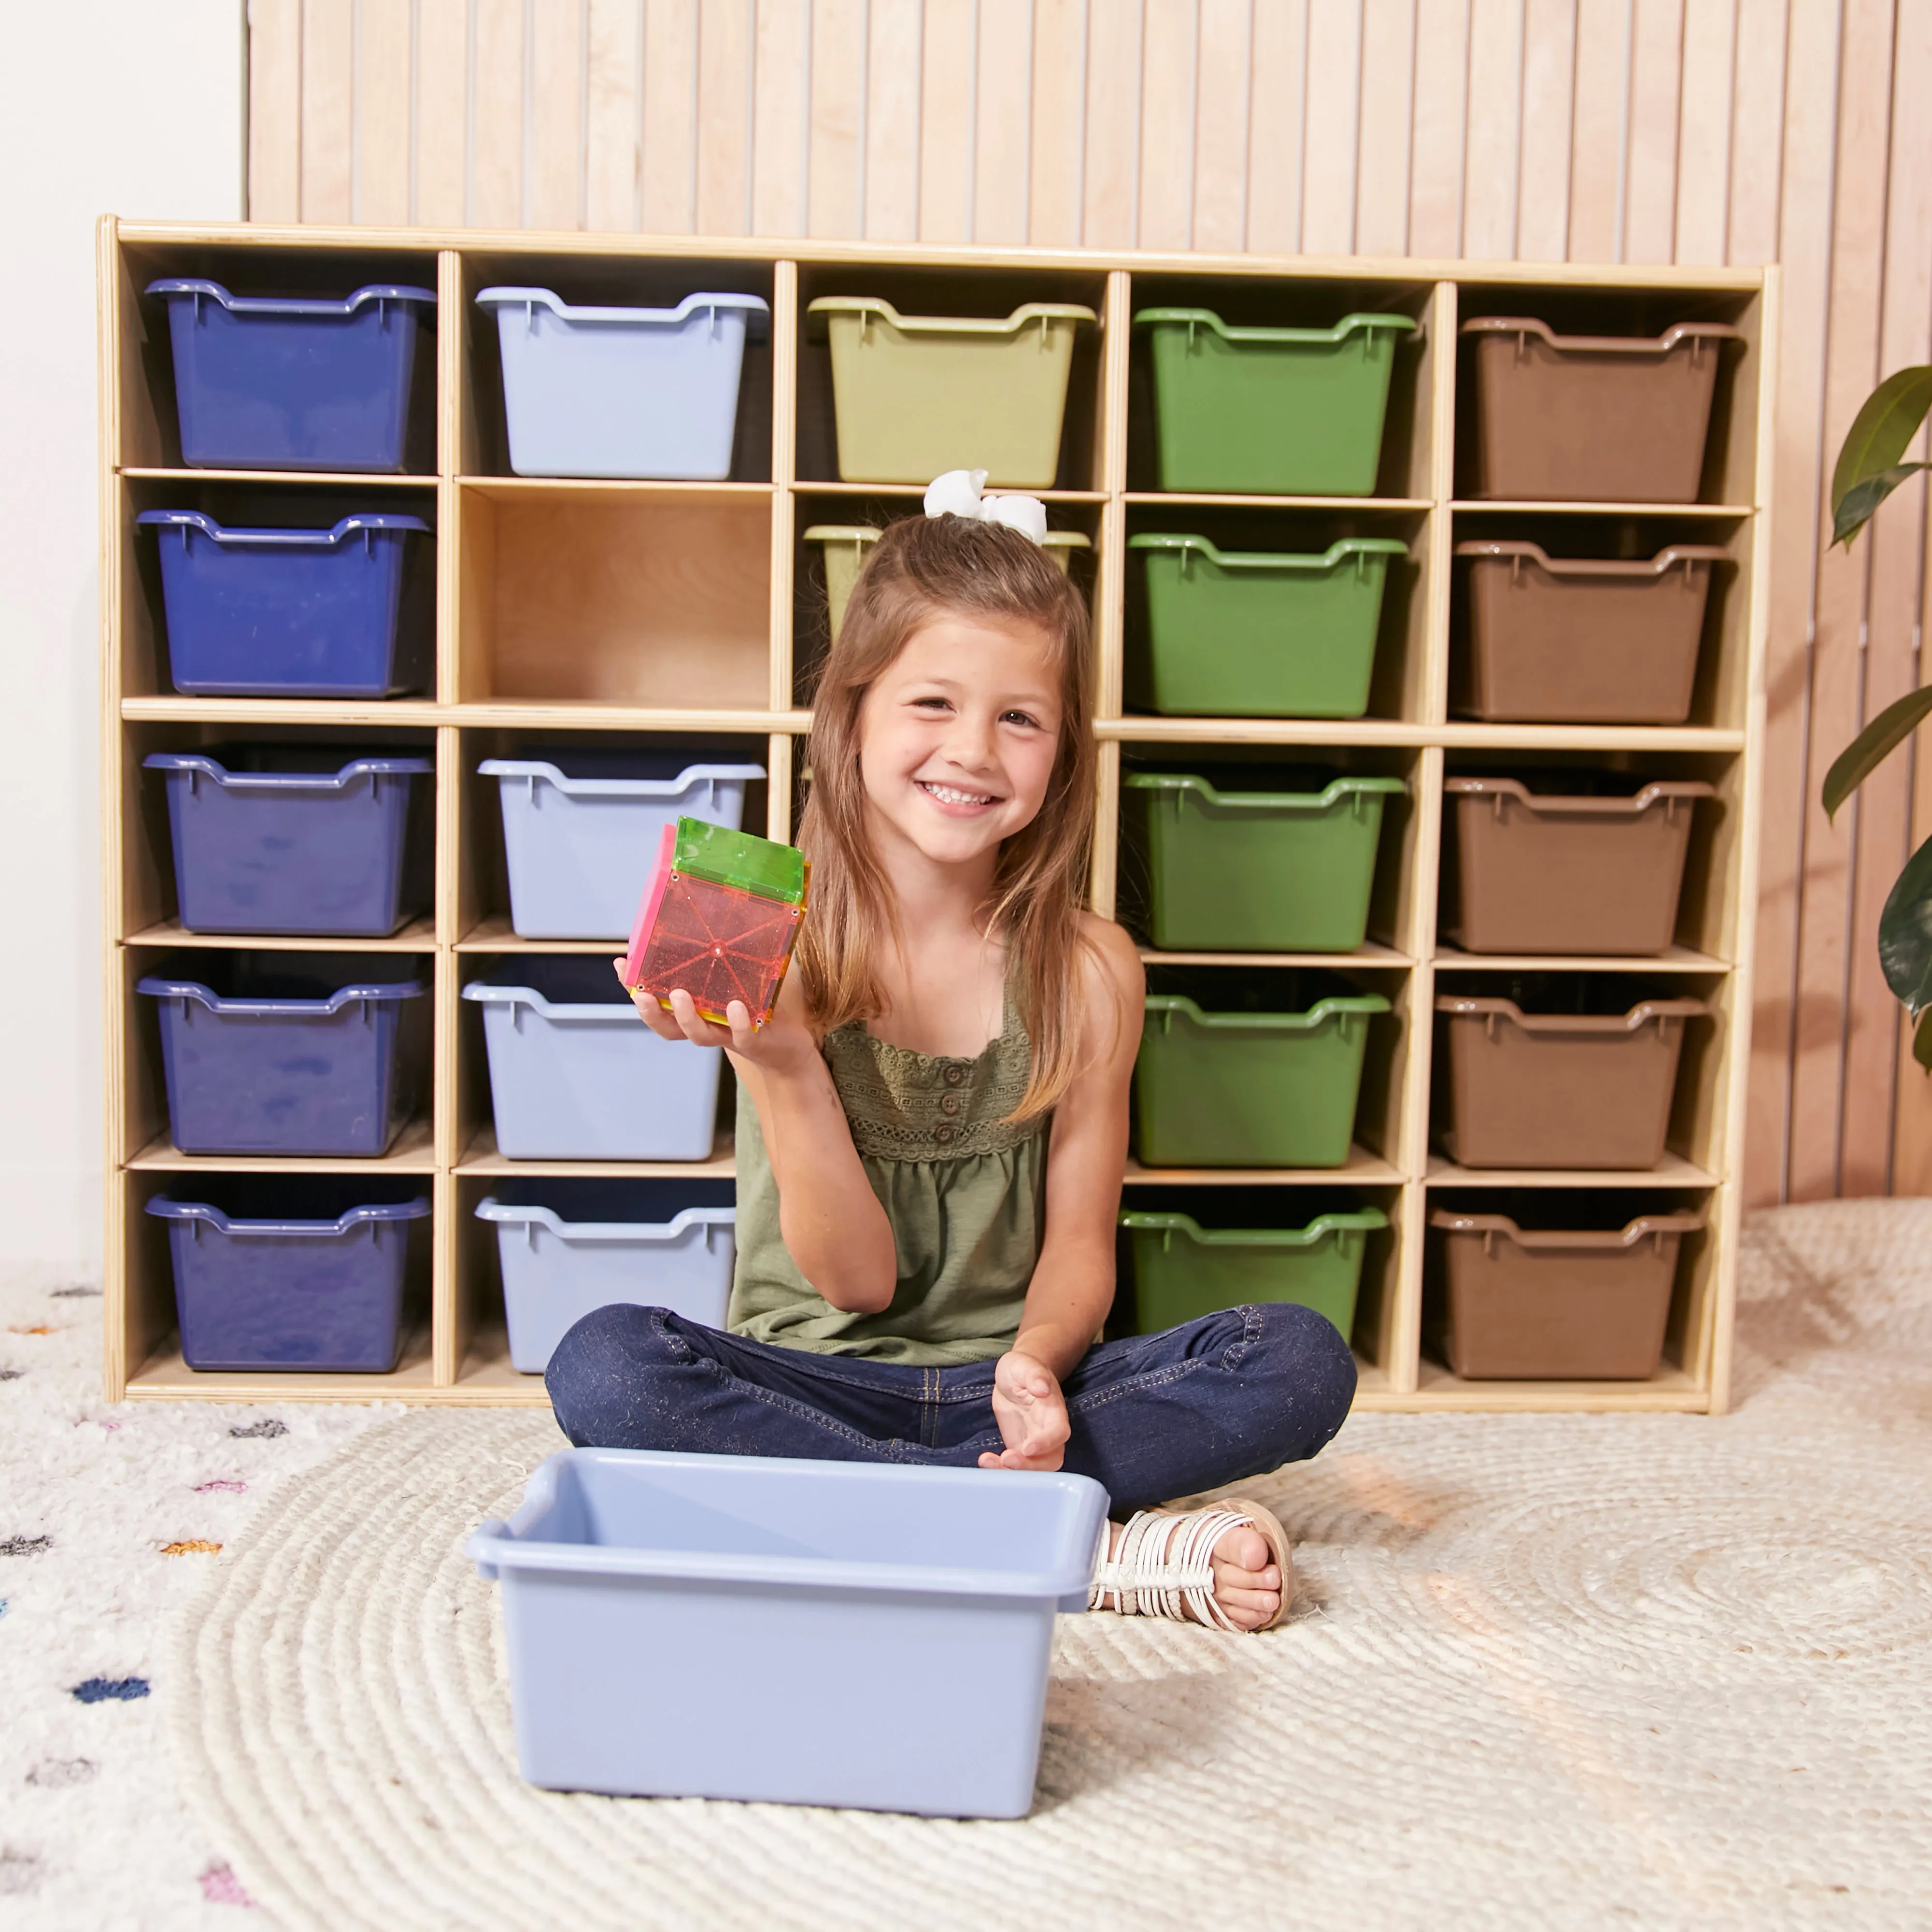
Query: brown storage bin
(1560, 1090)
(1534, 873)
(1591, 418)
(1586, 1305)
(1577, 641)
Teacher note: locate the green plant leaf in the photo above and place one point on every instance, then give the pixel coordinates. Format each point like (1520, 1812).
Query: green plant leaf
(1854, 509)
(1921, 1041)
(1874, 746)
(1879, 432)
(1905, 934)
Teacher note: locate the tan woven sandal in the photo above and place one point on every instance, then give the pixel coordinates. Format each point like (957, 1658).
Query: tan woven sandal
(1163, 1566)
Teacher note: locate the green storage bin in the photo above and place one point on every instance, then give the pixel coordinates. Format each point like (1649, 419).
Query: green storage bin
(1271, 411)
(1259, 634)
(916, 395)
(843, 546)
(1183, 1271)
(1256, 872)
(1249, 1089)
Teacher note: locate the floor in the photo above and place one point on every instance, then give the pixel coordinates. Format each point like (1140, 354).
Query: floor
(1657, 1670)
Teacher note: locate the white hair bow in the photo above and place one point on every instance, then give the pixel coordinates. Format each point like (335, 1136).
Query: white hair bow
(957, 493)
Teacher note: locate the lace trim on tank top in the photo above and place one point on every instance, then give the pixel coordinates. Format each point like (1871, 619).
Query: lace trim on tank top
(904, 1105)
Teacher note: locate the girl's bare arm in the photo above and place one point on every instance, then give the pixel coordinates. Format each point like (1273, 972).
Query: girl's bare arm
(833, 1223)
(1072, 1285)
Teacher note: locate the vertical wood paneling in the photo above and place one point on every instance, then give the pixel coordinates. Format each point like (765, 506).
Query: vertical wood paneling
(724, 117)
(1704, 130)
(1879, 567)
(1495, 143)
(670, 146)
(327, 110)
(1441, 103)
(384, 82)
(1003, 122)
(1899, 560)
(1598, 124)
(1656, 86)
(1332, 123)
(1757, 132)
(782, 77)
(442, 111)
(1110, 211)
(1059, 136)
(556, 158)
(274, 110)
(496, 114)
(1549, 93)
(1804, 247)
(1278, 89)
(892, 122)
(1167, 42)
(945, 122)
(1586, 130)
(1388, 107)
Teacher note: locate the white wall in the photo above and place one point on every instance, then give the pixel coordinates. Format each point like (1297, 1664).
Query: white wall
(130, 108)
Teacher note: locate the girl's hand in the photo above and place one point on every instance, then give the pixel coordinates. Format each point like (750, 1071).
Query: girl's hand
(779, 1046)
(1031, 1413)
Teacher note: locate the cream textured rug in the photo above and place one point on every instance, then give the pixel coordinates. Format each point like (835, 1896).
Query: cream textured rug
(1659, 1671)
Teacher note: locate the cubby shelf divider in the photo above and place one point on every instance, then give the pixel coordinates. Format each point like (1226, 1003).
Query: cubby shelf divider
(719, 561)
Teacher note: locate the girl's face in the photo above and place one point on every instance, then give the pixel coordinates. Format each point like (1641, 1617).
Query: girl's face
(958, 738)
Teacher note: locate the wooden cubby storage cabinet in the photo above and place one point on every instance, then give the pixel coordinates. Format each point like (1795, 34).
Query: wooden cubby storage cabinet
(629, 612)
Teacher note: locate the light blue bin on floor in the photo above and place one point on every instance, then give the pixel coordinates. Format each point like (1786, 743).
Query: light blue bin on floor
(580, 831)
(848, 1634)
(576, 1075)
(604, 391)
(568, 1247)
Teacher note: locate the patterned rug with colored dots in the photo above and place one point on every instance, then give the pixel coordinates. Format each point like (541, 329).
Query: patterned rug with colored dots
(108, 1517)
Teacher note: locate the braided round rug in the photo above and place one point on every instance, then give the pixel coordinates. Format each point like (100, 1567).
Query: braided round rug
(1545, 1671)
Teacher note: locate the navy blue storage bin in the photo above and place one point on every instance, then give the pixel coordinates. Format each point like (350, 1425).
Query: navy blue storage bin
(287, 1053)
(294, 1271)
(271, 383)
(282, 839)
(292, 613)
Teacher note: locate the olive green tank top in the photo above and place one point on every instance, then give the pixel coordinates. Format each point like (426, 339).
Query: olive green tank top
(964, 1189)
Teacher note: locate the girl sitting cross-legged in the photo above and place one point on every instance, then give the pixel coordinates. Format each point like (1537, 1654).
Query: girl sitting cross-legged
(932, 1124)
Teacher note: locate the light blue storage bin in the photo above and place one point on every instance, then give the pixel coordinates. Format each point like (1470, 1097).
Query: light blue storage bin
(580, 830)
(658, 1608)
(602, 391)
(575, 1075)
(568, 1247)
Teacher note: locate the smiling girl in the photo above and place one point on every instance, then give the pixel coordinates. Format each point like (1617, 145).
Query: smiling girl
(932, 1124)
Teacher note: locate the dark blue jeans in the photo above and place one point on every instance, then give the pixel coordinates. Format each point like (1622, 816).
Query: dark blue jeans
(1154, 1417)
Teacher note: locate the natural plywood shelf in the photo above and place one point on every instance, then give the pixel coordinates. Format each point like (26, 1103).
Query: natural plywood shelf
(1673, 1171)
(419, 936)
(1370, 953)
(611, 612)
(1675, 959)
(165, 1377)
(481, 1157)
(413, 1151)
(1361, 1166)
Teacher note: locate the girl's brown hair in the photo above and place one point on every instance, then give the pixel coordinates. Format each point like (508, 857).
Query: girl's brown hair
(921, 568)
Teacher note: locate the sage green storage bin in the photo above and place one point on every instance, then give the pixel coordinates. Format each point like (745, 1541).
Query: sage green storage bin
(1271, 411)
(1256, 872)
(1249, 1089)
(1259, 634)
(1183, 1271)
(914, 396)
(843, 546)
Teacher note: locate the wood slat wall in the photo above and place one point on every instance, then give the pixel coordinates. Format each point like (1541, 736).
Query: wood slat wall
(1696, 131)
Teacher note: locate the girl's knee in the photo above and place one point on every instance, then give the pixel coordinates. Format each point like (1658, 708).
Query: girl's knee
(601, 1369)
(1311, 1355)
